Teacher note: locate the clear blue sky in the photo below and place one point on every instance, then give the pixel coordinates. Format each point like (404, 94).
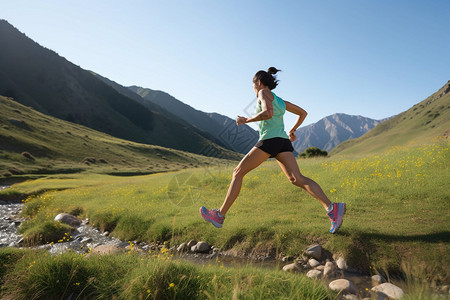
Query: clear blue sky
(361, 57)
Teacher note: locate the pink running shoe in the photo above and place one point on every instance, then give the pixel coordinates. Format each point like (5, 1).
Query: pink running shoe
(212, 216)
(336, 214)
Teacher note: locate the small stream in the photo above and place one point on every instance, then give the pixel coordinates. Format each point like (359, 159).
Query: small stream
(8, 224)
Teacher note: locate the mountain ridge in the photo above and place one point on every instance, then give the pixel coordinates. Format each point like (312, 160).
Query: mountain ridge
(239, 138)
(424, 122)
(38, 77)
(332, 130)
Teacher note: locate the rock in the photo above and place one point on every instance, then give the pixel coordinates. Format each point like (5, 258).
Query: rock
(314, 252)
(445, 289)
(106, 249)
(341, 263)
(216, 250)
(314, 274)
(86, 240)
(320, 268)
(313, 263)
(203, 247)
(287, 259)
(182, 248)
(3, 202)
(343, 285)
(106, 233)
(292, 268)
(68, 219)
(191, 243)
(377, 279)
(390, 290)
(213, 255)
(350, 297)
(329, 270)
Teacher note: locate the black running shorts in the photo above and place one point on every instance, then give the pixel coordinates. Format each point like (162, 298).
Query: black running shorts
(275, 145)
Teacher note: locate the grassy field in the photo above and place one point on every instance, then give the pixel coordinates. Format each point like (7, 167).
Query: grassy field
(397, 208)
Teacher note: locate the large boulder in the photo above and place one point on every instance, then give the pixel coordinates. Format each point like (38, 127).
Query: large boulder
(68, 219)
(201, 247)
(390, 290)
(314, 252)
(329, 270)
(343, 285)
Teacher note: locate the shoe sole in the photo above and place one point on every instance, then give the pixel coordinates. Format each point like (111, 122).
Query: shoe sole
(207, 219)
(340, 218)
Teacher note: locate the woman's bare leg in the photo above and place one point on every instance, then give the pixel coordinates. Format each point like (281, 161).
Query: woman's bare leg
(254, 158)
(289, 165)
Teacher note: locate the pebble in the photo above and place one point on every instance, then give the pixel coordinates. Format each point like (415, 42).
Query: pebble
(182, 248)
(313, 263)
(341, 263)
(314, 274)
(191, 243)
(287, 259)
(329, 270)
(377, 279)
(294, 267)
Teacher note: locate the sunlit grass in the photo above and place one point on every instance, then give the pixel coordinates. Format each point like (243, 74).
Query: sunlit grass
(397, 207)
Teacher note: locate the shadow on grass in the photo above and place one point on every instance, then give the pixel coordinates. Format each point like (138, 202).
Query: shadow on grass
(367, 249)
(436, 237)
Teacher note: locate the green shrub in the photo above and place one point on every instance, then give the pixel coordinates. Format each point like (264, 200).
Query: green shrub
(312, 152)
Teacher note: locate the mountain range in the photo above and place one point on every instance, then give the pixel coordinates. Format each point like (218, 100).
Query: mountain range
(332, 130)
(40, 78)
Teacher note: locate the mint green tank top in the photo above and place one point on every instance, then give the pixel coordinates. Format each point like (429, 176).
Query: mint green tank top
(273, 127)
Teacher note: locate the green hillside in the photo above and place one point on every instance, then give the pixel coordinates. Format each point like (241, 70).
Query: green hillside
(424, 122)
(32, 142)
(38, 77)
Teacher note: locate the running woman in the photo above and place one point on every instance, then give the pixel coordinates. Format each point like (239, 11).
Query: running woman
(273, 142)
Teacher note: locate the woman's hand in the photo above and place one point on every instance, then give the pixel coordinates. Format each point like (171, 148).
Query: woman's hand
(241, 120)
(292, 136)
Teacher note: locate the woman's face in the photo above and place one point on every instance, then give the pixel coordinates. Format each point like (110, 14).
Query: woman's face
(257, 86)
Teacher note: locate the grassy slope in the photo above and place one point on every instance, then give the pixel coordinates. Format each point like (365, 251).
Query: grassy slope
(397, 208)
(420, 124)
(61, 147)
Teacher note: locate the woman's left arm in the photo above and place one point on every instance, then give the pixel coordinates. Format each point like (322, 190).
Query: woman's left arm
(301, 117)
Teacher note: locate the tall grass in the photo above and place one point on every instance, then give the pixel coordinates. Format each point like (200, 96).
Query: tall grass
(38, 275)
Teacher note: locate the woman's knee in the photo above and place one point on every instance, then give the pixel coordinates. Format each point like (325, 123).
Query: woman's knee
(239, 172)
(298, 180)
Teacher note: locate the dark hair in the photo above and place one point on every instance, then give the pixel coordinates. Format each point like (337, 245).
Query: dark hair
(267, 78)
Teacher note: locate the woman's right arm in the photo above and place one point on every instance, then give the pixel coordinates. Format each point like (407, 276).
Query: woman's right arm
(301, 117)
